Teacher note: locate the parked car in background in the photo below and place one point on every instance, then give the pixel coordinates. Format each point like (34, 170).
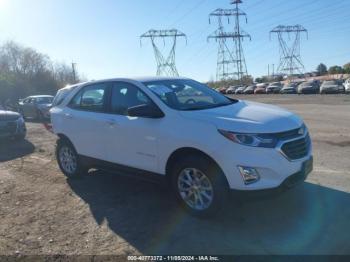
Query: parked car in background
(231, 90)
(260, 89)
(222, 90)
(274, 88)
(137, 126)
(37, 107)
(12, 125)
(309, 87)
(240, 90)
(289, 88)
(347, 86)
(250, 90)
(331, 87)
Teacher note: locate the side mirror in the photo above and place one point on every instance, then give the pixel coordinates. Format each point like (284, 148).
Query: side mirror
(146, 111)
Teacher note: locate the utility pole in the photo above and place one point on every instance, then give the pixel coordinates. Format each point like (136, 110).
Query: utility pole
(231, 61)
(74, 72)
(290, 58)
(268, 70)
(165, 64)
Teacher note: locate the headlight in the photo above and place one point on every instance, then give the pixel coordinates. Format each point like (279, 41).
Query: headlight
(254, 140)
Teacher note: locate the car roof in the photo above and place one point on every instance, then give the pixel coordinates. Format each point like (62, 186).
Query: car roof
(138, 79)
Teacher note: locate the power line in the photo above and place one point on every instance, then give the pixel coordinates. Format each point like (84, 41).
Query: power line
(231, 62)
(290, 58)
(189, 12)
(165, 65)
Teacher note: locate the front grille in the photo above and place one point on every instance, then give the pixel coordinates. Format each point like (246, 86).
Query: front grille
(288, 134)
(297, 149)
(8, 127)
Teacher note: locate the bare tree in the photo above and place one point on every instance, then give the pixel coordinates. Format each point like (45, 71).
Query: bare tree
(24, 71)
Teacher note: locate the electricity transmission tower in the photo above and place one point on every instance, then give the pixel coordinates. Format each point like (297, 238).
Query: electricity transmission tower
(290, 58)
(165, 64)
(230, 61)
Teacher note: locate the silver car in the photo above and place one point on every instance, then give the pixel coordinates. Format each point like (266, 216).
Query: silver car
(240, 90)
(274, 88)
(347, 86)
(12, 126)
(289, 88)
(309, 87)
(37, 107)
(332, 86)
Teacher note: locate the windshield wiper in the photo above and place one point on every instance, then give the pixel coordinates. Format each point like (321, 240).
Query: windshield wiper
(208, 107)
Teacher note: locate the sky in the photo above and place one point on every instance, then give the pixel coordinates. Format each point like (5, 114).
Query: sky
(102, 36)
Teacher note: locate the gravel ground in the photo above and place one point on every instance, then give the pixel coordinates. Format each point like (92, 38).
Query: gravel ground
(42, 212)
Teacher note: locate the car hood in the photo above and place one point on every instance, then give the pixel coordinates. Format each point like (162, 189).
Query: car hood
(8, 115)
(248, 117)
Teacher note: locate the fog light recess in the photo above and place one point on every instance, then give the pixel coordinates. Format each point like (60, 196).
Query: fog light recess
(249, 174)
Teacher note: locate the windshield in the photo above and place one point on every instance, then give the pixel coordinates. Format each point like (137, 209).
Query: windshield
(187, 94)
(44, 100)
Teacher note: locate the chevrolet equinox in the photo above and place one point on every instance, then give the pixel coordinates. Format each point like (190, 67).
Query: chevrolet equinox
(201, 142)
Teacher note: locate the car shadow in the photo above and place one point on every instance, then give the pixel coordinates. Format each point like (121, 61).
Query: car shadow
(11, 149)
(309, 219)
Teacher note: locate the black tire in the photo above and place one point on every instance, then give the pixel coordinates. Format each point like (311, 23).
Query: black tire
(79, 168)
(20, 137)
(216, 177)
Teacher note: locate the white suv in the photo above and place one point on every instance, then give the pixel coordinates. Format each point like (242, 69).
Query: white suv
(347, 86)
(183, 132)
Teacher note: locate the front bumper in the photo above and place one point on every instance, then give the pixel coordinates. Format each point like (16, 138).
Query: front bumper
(273, 167)
(288, 91)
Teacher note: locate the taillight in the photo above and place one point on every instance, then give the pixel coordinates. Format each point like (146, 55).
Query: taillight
(48, 127)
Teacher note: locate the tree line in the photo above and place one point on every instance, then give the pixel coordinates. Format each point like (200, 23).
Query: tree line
(323, 70)
(25, 71)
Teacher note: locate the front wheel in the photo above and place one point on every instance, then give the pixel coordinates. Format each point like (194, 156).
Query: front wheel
(68, 159)
(199, 185)
(20, 137)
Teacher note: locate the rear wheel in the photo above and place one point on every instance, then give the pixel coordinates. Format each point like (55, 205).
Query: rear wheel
(199, 185)
(68, 159)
